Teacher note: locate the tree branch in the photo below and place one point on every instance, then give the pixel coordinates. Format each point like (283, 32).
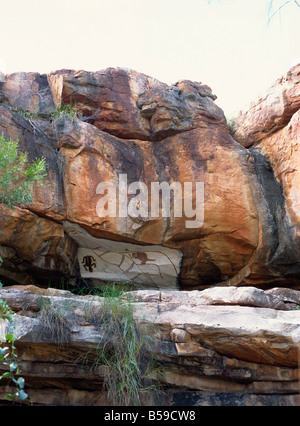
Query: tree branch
(284, 4)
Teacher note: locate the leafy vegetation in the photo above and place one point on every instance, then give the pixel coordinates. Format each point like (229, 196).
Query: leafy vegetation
(8, 355)
(17, 175)
(65, 110)
(29, 115)
(231, 125)
(126, 345)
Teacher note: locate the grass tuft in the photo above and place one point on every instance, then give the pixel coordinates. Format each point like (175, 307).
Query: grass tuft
(125, 348)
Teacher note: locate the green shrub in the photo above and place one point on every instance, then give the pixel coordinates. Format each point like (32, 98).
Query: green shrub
(231, 125)
(17, 175)
(66, 110)
(29, 115)
(9, 357)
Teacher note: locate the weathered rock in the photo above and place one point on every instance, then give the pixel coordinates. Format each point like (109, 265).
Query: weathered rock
(133, 126)
(222, 346)
(38, 139)
(282, 150)
(276, 158)
(32, 243)
(285, 294)
(28, 91)
(184, 398)
(185, 139)
(36, 247)
(271, 112)
(132, 105)
(2, 81)
(246, 296)
(224, 351)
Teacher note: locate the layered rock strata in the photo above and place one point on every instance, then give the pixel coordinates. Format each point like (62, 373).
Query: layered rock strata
(220, 346)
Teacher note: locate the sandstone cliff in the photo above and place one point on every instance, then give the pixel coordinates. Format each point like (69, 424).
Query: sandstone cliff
(130, 124)
(231, 336)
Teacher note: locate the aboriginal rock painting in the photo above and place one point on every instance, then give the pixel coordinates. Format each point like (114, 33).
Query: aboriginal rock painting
(89, 263)
(150, 266)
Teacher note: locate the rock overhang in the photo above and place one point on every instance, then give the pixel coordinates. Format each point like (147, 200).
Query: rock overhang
(133, 124)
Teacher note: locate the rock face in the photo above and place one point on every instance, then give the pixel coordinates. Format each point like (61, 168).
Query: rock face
(131, 105)
(220, 346)
(271, 112)
(228, 224)
(135, 133)
(27, 91)
(134, 126)
(271, 132)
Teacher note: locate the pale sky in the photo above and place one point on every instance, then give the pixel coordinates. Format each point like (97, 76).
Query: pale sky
(225, 44)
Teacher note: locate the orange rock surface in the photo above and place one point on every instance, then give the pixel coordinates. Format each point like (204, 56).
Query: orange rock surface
(131, 124)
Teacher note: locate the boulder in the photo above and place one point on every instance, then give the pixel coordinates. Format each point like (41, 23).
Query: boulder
(271, 112)
(28, 91)
(132, 105)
